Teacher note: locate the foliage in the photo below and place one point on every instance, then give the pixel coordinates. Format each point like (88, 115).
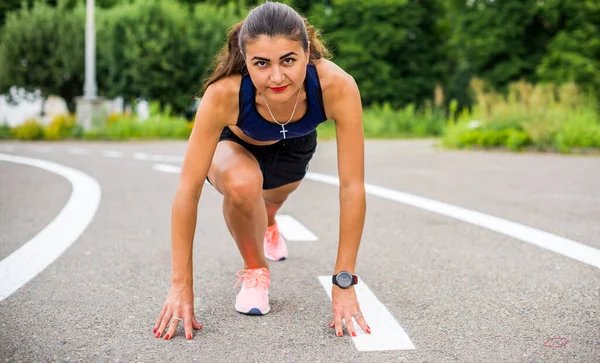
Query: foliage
(157, 51)
(393, 48)
(41, 48)
(574, 53)
(160, 125)
(543, 116)
(29, 130)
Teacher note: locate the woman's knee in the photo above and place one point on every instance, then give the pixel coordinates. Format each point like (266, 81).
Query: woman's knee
(243, 189)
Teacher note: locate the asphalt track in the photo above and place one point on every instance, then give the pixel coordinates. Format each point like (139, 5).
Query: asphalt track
(466, 256)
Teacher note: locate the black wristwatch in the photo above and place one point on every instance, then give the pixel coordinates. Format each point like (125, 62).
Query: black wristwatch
(344, 279)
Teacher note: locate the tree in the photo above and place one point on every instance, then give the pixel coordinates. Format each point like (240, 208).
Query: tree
(41, 47)
(392, 48)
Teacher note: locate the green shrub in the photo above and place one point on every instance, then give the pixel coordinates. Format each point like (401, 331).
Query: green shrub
(61, 127)
(29, 130)
(544, 116)
(5, 131)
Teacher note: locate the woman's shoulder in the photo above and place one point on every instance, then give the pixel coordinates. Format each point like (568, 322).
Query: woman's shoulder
(333, 79)
(223, 96)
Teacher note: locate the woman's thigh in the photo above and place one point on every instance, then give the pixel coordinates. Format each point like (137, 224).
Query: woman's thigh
(232, 166)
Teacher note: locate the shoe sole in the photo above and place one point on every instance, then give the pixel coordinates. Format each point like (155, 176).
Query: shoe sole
(272, 259)
(253, 311)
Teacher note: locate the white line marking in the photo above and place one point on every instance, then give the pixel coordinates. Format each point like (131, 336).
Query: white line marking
(112, 154)
(293, 230)
(150, 157)
(79, 151)
(386, 333)
(548, 241)
(38, 253)
(166, 168)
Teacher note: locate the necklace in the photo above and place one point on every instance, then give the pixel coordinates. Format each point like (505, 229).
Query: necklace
(283, 130)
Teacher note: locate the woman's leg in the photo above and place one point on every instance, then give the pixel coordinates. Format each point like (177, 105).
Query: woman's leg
(235, 174)
(274, 198)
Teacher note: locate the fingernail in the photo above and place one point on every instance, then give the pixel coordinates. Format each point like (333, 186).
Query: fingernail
(339, 334)
(157, 335)
(353, 334)
(368, 331)
(368, 327)
(155, 329)
(167, 337)
(200, 327)
(189, 336)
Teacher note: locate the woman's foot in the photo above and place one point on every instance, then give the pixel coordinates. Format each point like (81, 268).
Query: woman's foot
(253, 298)
(275, 247)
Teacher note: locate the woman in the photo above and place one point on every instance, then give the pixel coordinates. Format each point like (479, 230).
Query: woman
(253, 137)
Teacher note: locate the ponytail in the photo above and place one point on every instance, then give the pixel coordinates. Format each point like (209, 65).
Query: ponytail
(229, 60)
(318, 49)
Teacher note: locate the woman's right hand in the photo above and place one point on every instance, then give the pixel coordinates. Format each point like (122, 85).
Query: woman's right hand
(179, 304)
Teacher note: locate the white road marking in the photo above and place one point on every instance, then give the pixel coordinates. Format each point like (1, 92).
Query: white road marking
(566, 247)
(166, 168)
(112, 154)
(79, 151)
(150, 157)
(386, 333)
(38, 253)
(293, 230)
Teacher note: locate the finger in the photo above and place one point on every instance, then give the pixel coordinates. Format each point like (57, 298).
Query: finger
(160, 316)
(332, 324)
(172, 327)
(360, 320)
(195, 324)
(187, 324)
(350, 325)
(163, 324)
(337, 319)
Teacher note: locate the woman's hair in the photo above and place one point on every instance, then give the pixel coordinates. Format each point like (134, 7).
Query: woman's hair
(271, 19)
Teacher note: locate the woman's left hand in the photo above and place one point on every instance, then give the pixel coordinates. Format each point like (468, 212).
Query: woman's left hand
(345, 306)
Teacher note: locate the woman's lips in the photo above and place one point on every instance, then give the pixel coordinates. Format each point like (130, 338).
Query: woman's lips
(278, 89)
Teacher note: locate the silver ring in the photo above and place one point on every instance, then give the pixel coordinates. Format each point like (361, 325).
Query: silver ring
(357, 315)
(179, 319)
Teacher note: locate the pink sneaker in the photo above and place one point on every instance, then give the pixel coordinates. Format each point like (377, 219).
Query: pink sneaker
(275, 248)
(253, 299)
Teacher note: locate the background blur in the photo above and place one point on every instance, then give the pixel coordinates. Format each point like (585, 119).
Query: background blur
(480, 73)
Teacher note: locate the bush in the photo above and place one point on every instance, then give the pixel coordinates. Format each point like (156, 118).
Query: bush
(61, 127)
(5, 131)
(29, 130)
(544, 116)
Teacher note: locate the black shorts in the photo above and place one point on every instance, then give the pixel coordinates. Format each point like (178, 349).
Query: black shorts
(281, 163)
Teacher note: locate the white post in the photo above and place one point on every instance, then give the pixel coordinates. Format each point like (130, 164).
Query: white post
(91, 109)
(90, 89)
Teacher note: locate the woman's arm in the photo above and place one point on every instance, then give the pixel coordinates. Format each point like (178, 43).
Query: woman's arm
(350, 151)
(347, 112)
(216, 110)
(200, 150)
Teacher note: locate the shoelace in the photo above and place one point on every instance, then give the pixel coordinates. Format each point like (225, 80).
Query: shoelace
(273, 236)
(253, 278)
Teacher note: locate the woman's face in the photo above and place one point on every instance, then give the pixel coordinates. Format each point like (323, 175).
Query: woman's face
(277, 66)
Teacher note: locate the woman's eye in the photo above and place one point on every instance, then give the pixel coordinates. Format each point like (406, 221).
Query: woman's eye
(288, 61)
(260, 64)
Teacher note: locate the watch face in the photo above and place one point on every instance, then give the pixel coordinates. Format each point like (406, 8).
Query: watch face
(344, 279)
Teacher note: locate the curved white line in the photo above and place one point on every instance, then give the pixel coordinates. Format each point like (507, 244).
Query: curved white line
(37, 254)
(566, 247)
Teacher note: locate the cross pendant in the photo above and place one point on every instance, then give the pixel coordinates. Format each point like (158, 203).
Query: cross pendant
(283, 131)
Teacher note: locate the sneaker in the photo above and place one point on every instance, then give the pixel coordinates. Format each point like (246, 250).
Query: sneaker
(275, 247)
(253, 299)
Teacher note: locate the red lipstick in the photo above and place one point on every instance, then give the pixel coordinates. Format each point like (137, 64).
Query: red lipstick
(278, 89)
